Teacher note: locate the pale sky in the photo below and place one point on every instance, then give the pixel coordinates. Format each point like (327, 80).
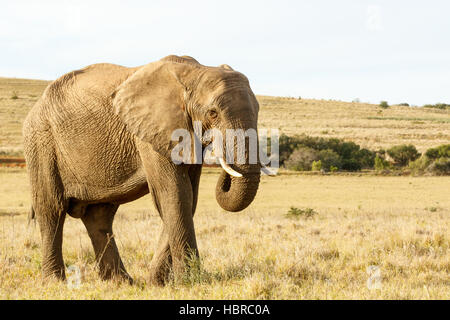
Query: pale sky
(397, 51)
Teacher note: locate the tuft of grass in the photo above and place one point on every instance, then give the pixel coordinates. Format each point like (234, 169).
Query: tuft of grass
(297, 212)
(14, 95)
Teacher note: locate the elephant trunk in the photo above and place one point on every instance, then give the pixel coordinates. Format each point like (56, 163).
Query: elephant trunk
(236, 193)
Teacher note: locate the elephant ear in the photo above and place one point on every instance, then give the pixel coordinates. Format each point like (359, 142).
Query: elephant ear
(182, 59)
(226, 67)
(151, 103)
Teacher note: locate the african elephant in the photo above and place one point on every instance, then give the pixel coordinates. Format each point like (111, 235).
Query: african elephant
(101, 136)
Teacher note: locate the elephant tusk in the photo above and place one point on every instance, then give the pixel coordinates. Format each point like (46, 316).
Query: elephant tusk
(228, 169)
(267, 171)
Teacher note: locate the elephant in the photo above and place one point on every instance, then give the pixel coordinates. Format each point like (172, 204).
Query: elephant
(100, 137)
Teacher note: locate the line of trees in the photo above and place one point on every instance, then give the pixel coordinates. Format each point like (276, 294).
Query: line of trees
(305, 153)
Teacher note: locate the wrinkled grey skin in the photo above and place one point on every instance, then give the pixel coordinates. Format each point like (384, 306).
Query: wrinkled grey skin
(100, 137)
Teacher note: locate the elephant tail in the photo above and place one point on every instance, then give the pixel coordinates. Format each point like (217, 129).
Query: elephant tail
(31, 215)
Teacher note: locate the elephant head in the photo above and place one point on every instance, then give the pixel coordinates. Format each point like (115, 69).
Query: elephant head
(174, 92)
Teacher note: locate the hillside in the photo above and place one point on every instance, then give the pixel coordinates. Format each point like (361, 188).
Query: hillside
(365, 124)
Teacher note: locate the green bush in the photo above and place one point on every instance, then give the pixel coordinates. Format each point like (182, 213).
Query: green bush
(441, 106)
(316, 165)
(329, 158)
(440, 166)
(287, 145)
(436, 161)
(402, 154)
(352, 158)
(351, 165)
(380, 164)
(301, 159)
(442, 151)
(303, 153)
(420, 165)
(345, 149)
(384, 104)
(297, 212)
(365, 157)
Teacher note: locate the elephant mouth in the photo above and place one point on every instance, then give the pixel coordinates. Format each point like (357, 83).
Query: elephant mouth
(228, 169)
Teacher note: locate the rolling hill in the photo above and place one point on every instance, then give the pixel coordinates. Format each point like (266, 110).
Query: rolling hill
(366, 124)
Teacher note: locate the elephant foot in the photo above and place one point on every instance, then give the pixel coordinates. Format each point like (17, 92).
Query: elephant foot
(53, 275)
(159, 276)
(121, 276)
(53, 270)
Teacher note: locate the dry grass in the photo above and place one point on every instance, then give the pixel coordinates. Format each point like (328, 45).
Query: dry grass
(366, 124)
(17, 96)
(399, 224)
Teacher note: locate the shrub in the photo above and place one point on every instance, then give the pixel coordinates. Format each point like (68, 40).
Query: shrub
(436, 161)
(440, 166)
(296, 212)
(365, 158)
(287, 145)
(316, 165)
(403, 104)
(442, 151)
(345, 149)
(420, 165)
(301, 159)
(351, 165)
(380, 164)
(14, 95)
(402, 154)
(329, 158)
(384, 104)
(441, 106)
(352, 158)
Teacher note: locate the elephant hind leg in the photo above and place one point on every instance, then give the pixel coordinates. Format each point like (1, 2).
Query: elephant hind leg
(51, 222)
(98, 220)
(48, 207)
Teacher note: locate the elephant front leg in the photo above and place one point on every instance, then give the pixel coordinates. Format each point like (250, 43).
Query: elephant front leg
(162, 261)
(172, 192)
(177, 242)
(182, 240)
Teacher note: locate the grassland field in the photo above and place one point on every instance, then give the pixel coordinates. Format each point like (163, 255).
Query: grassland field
(398, 225)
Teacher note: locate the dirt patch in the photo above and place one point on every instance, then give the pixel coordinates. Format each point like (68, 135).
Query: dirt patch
(12, 162)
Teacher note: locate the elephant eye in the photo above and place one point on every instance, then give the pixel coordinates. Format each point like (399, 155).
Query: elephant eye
(212, 114)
